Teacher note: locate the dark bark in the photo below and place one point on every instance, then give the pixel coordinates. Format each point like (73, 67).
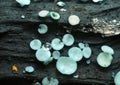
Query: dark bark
(16, 34)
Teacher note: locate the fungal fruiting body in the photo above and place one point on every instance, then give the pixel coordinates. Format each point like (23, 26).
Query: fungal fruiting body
(73, 20)
(43, 13)
(23, 2)
(81, 45)
(56, 54)
(75, 53)
(14, 69)
(57, 44)
(50, 81)
(117, 78)
(104, 59)
(87, 52)
(68, 39)
(107, 49)
(37, 83)
(54, 15)
(61, 4)
(42, 55)
(66, 65)
(96, 1)
(35, 44)
(42, 29)
(29, 69)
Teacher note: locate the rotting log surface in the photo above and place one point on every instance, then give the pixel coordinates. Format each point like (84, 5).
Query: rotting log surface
(16, 34)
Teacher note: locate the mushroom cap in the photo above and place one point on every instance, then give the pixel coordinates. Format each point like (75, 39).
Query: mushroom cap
(23, 2)
(57, 44)
(42, 55)
(54, 15)
(87, 52)
(29, 69)
(117, 79)
(43, 13)
(51, 81)
(75, 53)
(66, 65)
(73, 20)
(104, 59)
(107, 49)
(81, 45)
(56, 54)
(61, 4)
(35, 44)
(68, 39)
(43, 28)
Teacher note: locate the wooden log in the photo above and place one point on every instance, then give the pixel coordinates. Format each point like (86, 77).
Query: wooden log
(16, 34)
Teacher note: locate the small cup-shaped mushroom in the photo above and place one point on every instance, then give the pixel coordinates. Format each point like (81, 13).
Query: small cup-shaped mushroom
(66, 65)
(43, 28)
(96, 1)
(42, 55)
(56, 54)
(61, 4)
(117, 78)
(48, 61)
(87, 52)
(35, 44)
(57, 44)
(47, 46)
(29, 69)
(75, 53)
(43, 13)
(104, 59)
(51, 81)
(68, 39)
(107, 49)
(54, 15)
(23, 2)
(81, 45)
(37, 83)
(73, 20)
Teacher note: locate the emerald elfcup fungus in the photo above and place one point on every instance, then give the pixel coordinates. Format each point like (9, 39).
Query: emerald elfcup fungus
(81, 45)
(96, 1)
(66, 65)
(29, 69)
(35, 44)
(61, 4)
(56, 54)
(37, 83)
(107, 49)
(50, 81)
(73, 20)
(54, 15)
(43, 28)
(57, 44)
(23, 2)
(87, 52)
(117, 78)
(104, 59)
(75, 53)
(68, 39)
(42, 55)
(43, 13)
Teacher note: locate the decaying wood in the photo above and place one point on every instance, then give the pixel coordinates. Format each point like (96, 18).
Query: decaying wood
(16, 34)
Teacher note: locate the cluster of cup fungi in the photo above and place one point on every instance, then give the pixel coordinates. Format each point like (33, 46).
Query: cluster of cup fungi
(66, 65)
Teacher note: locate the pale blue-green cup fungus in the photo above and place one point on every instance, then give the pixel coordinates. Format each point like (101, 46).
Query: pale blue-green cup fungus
(73, 20)
(61, 4)
(107, 49)
(75, 53)
(104, 59)
(47, 46)
(66, 65)
(68, 39)
(43, 13)
(23, 2)
(81, 45)
(35, 44)
(54, 15)
(51, 81)
(37, 83)
(42, 55)
(117, 78)
(56, 54)
(87, 52)
(42, 29)
(57, 44)
(29, 69)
